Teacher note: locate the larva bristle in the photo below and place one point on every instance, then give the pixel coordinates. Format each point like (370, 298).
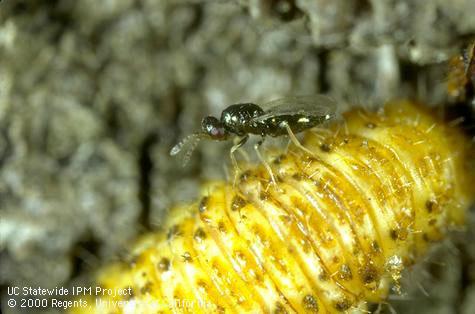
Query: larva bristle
(335, 233)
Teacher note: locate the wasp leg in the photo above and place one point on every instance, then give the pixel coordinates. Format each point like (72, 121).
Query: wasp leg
(264, 162)
(294, 139)
(241, 141)
(243, 153)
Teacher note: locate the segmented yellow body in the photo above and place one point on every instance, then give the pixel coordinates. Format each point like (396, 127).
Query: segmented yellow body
(334, 233)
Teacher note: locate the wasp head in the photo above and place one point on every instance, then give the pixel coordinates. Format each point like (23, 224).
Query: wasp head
(214, 128)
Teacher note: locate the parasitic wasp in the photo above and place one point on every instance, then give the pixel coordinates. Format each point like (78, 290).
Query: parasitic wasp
(284, 116)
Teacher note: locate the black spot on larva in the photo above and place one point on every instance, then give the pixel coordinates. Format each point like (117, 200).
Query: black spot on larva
(323, 276)
(278, 160)
(203, 204)
(393, 234)
(370, 125)
(174, 231)
(375, 246)
(345, 272)
(311, 159)
(220, 309)
(240, 255)
(263, 196)
(325, 148)
(398, 234)
(245, 175)
(432, 222)
(285, 218)
(342, 305)
(297, 177)
(258, 278)
(279, 309)
(346, 140)
(431, 206)
(202, 285)
(164, 264)
(310, 303)
(199, 235)
(369, 274)
(187, 257)
(221, 227)
(238, 203)
(146, 288)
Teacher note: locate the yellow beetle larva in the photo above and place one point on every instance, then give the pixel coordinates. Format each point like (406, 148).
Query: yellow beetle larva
(334, 233)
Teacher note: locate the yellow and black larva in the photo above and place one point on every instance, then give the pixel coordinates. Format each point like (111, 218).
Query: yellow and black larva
(333, 234)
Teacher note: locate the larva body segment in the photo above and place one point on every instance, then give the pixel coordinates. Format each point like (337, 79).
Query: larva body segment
(336, 232)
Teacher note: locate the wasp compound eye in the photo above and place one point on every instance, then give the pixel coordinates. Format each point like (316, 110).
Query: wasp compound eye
(214, 128)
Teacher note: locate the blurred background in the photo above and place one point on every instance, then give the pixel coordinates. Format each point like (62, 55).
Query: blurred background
(93, 94)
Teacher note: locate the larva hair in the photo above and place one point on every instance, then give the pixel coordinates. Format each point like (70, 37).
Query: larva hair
(334, 233)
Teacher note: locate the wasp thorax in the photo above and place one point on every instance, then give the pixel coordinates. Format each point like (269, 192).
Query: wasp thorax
(214, 128)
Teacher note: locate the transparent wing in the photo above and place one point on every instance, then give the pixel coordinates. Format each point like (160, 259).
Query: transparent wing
(186, 147)
(315, 105)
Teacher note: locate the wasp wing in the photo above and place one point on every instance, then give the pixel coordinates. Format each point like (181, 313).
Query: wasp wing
(315, 105)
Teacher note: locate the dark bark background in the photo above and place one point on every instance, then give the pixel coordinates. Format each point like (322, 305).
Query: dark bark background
(93, 94)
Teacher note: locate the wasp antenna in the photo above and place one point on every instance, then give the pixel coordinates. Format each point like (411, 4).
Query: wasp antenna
(188, 144)
(189, 151)
(184, 142)
(176, 149)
